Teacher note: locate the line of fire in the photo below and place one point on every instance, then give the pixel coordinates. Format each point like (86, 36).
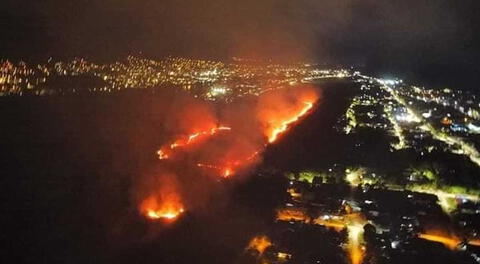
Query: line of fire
(350, 214)
(167, 204)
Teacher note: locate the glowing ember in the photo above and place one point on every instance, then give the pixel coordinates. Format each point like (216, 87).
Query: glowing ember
(165, 203)
(163, 214)
(165, 151)
(208, 166)
(228, 170)
(260, 244)
(162, 155)
(169, 209)
(284, 125)
(225, 171)
(251, 157)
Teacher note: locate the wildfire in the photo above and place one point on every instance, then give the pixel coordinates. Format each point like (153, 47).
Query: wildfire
(284, 125)
(229, 169)
(260, 244)
(275, 113)
(155, 209)
(163, 153)
(225, 172)
(165, 203)
(164, 214)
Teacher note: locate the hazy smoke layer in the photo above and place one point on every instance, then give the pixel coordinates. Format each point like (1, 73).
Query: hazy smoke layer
(215, 142)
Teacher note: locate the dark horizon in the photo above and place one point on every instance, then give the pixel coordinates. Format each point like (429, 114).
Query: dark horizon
(434, 42)
(122, 160)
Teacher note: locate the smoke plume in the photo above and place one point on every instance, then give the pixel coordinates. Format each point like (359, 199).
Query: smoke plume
(211, 142)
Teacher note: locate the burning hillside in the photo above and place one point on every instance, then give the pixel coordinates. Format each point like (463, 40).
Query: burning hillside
(199, 141)
(279, 111)
(165, 202)
(166, 151)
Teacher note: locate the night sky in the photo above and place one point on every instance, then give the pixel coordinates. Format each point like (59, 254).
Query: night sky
(434, 42)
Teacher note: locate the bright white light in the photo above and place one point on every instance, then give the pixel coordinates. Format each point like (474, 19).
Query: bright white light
(217, 91)
(406, 117)
(427, 114)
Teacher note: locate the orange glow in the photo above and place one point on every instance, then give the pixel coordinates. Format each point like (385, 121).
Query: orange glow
(170, 208)
(449, 242)
(260, 244)
(278, 111)
(161, 154)
(294, 194)
(446, 121)
(292, 215)
(164, 214)
(475, 242)
(165, 203)
(336, 224)
(284, 124)
(354, 246)
(165, 151)
(228, 170)
(251, 157)
(354, 223)
(283, 256)
(225, 171)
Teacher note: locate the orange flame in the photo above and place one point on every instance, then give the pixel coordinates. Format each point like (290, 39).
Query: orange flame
(284, 125)
(170, 208)
(165, 203)
(228, 170)
(260, 244)
(163, 153)
(225, 171)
